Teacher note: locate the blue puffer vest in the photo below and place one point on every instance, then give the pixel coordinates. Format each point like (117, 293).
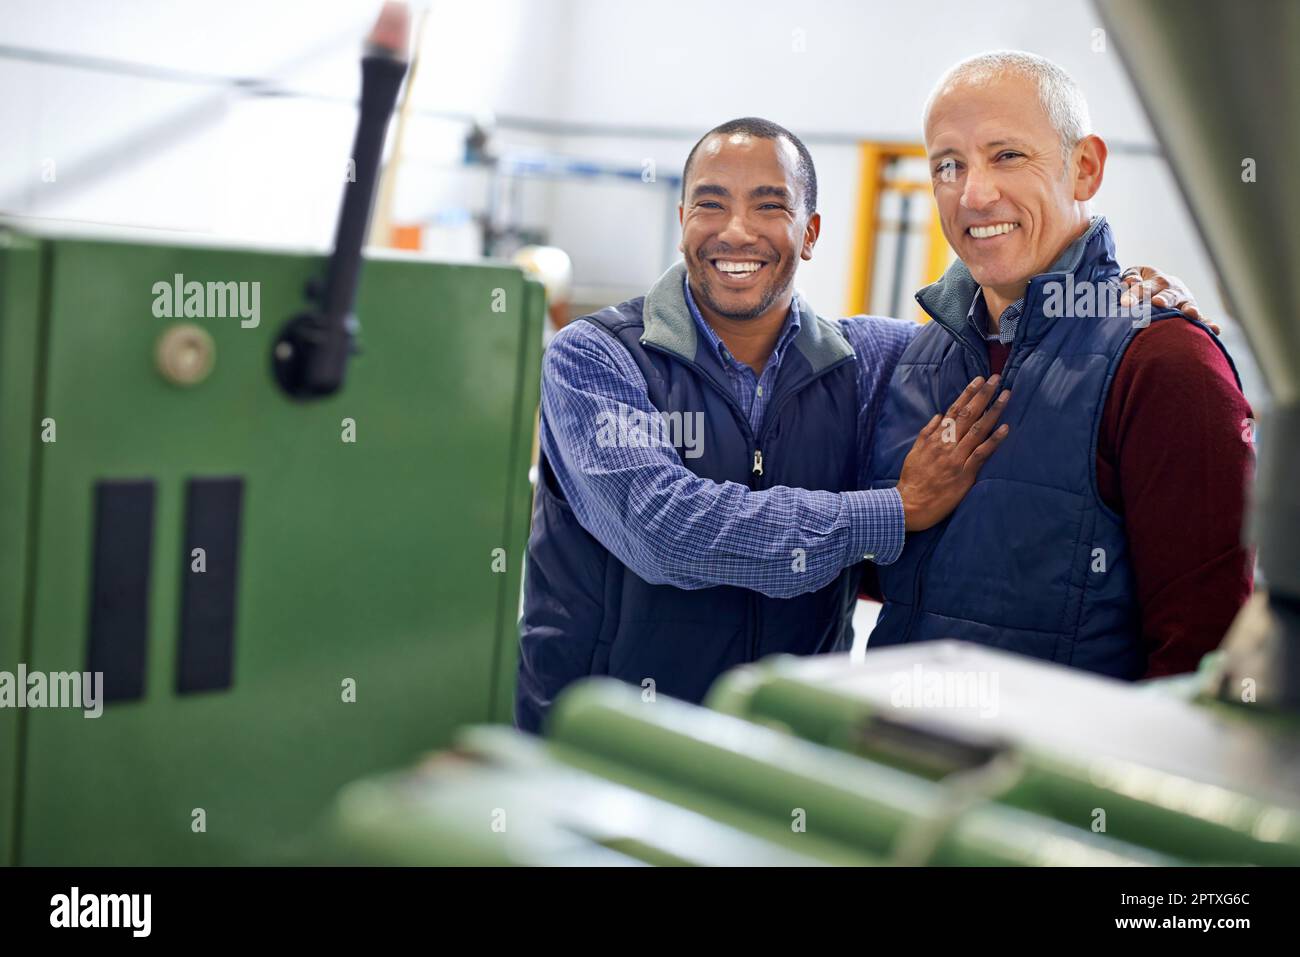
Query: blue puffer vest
(1032, 560)
(587, 613)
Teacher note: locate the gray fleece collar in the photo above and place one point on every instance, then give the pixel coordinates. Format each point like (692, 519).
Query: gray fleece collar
(669, 325)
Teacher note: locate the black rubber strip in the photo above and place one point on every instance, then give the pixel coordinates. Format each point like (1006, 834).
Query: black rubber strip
(206, 656)
(119, 607)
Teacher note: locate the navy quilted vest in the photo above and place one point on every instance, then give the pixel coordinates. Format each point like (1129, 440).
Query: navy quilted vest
(1031, 561)
(587, 613)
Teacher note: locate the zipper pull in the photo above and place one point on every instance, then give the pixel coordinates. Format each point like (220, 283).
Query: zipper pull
(758, 462)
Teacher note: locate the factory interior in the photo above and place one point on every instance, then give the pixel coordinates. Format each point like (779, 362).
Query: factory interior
(321, 542)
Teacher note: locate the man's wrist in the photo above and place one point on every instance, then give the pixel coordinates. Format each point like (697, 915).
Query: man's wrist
(877, 525)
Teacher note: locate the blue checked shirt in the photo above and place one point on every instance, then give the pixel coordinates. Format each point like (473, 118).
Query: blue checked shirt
(1007, 323)
(723, 533)
(751, 390)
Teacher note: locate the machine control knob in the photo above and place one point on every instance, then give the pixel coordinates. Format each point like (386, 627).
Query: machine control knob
(185, 354)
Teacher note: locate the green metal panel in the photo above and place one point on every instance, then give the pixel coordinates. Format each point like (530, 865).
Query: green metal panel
(369, 561)
(20, 341)
(519, 507)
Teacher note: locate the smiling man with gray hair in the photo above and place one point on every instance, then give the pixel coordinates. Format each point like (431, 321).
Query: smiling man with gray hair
(1105, 533)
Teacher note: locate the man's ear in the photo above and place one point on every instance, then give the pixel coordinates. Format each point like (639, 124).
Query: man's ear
(681, 214)
(810, 234)
(1090, 166)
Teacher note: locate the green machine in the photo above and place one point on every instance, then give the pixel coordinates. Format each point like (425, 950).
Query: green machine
(363, 552)
(946, 754)
(278, 547)
(1156, 765)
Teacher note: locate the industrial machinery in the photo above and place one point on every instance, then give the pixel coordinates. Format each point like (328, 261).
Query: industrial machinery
(943, 753)
(287, 576)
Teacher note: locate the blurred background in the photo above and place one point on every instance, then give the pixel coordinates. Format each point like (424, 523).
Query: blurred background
(556, 122)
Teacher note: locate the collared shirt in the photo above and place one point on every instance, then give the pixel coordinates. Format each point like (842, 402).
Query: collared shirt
(751, 390)
(979, 318)
(726, 534)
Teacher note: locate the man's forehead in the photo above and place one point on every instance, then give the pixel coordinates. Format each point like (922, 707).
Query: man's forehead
(716, 143)
(1008, 102)
(742, 164)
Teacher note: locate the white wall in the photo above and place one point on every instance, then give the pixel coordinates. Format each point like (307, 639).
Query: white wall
(163, 154)
(176, 155)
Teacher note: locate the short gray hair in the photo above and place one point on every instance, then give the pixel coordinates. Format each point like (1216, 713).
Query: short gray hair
(1062, 100)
